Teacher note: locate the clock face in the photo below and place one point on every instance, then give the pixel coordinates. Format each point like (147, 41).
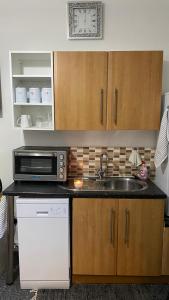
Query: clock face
(85, 20)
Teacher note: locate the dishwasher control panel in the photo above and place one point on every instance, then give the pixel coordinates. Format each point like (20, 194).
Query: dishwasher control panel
(59, 212)
(34, 209)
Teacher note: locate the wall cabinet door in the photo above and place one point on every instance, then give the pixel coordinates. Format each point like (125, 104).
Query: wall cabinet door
(94, 236)
(80, 86)
(140, 234)
(134, 90)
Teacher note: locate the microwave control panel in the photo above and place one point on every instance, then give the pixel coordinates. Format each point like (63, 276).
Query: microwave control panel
(62, 166)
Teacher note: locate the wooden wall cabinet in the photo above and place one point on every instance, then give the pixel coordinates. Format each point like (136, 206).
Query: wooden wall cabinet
(107, 90)
(117, 236)
(80, 81)
(134, 90)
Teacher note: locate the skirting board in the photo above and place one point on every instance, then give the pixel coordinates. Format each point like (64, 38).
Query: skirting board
(120, 279)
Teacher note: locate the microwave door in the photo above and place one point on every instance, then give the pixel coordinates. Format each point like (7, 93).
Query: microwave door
(35, 165)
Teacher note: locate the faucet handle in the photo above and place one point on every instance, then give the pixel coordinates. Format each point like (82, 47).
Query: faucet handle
(100, 172)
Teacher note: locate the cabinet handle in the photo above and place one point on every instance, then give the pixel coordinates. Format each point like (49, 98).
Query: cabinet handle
(116, 105)
(112, 227)
(127, 226)
(101, 106)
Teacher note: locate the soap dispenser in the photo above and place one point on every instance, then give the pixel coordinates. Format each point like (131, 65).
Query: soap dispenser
(143, 172)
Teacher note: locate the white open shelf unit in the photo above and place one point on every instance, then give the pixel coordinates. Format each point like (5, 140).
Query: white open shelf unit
(32, 69)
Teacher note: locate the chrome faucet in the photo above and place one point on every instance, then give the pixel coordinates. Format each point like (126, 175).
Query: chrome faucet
(102, 170)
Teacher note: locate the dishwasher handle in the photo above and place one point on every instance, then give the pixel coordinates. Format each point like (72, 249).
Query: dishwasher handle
(42, 213)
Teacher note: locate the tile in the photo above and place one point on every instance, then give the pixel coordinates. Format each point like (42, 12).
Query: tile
(86, 160)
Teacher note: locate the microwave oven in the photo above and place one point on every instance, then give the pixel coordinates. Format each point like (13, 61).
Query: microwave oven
(32, 163)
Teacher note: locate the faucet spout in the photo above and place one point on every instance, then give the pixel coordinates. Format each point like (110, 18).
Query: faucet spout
(103, 165)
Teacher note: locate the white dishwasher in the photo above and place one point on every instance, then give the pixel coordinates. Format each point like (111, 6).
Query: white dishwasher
(44, 247)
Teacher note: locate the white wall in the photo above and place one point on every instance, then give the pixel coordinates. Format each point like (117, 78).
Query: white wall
(41, 25)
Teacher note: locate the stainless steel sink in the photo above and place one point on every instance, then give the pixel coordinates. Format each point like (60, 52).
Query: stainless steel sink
(123, 184)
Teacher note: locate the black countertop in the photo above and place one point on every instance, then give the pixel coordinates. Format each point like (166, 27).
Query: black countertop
(52, 189)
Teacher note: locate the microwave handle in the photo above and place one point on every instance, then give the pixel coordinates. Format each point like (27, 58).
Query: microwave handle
(33, 154)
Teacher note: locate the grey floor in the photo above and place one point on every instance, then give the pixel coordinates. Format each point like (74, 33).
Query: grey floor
(87, 292)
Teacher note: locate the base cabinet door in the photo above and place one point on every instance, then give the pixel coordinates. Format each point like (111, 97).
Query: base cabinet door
(165, 259)
(94, 236)
(140, 233)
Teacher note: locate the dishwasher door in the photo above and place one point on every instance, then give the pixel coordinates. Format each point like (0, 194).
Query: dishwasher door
(43, 237)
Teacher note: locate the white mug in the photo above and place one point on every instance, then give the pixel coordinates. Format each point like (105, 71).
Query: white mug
(20, 95)
(24, 121)
(39, 122)
(34, 95)
(46, 95)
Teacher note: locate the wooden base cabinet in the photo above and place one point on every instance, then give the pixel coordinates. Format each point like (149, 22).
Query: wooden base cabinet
(165, 261)
(117, 236)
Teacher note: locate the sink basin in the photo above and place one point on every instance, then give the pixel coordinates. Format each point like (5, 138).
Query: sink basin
(123, 184)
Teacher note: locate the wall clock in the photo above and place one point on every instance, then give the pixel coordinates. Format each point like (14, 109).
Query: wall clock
(85, 20)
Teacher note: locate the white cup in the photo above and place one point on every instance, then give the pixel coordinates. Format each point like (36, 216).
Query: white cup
(20, 95)
(39, 122)
(46, 95)
(24, 121)
(34, 95)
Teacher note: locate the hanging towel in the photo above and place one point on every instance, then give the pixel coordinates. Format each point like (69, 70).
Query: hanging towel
(3, 216)
(163, 139)
(135, 158)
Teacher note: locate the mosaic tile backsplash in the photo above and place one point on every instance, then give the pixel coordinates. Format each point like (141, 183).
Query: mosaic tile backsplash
(85, 161)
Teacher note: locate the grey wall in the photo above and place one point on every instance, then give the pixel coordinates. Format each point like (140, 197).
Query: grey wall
(42, 25)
